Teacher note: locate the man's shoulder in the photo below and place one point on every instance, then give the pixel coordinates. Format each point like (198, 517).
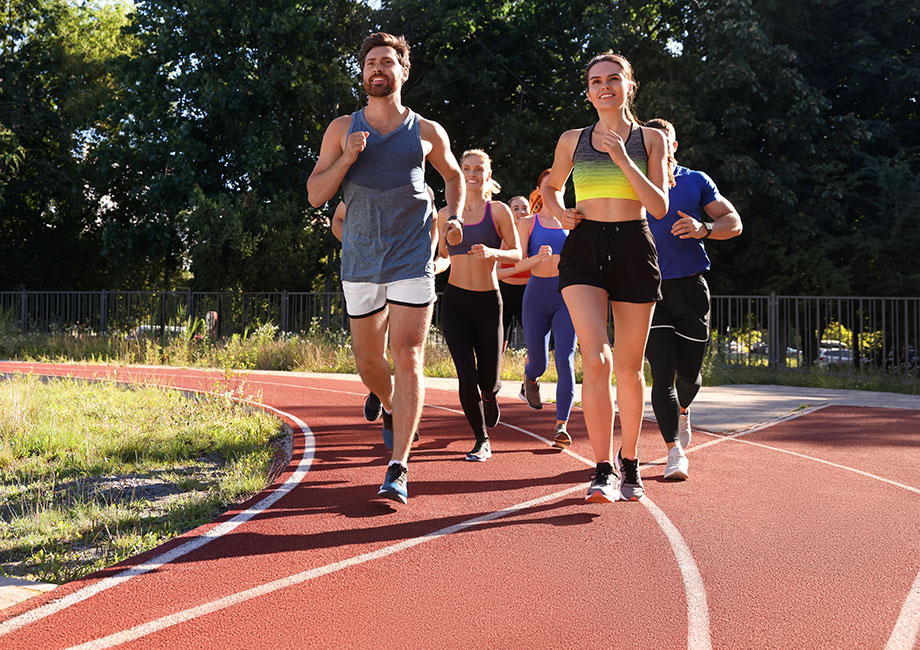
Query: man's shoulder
(427, 126)
(691, 175)
(341, 123)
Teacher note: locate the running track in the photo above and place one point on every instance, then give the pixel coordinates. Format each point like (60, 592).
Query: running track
(802, 534)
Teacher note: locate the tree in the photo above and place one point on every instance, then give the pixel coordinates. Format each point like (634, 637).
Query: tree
(53, 64)
(221, 124)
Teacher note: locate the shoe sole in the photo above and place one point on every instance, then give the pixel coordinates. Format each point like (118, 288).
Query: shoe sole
(392, 495)
(676, 475)
(562, 443)
(598, 497)
(478, 459)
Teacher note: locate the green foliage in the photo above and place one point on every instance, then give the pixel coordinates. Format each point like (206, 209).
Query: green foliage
(55, 66)
(171, 146)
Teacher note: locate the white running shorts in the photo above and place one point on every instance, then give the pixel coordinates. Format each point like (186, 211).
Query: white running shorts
(363, 299)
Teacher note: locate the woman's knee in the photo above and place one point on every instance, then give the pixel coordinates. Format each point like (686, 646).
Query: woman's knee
(596, 360)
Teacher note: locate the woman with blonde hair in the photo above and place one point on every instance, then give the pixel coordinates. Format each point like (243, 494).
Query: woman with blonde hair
(609, 261)
(471, 306)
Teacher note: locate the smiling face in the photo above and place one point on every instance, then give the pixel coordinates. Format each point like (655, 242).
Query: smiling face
(609, 86)
(382, 74)
(520, 207)
(477, 171)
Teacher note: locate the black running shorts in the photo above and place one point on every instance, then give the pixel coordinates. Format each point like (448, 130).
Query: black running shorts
(619, 257)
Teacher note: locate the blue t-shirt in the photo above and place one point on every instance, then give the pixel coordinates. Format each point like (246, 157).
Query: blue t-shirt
(681, 258)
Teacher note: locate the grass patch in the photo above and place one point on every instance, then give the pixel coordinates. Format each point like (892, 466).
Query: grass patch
(92, 473)
(319, 350)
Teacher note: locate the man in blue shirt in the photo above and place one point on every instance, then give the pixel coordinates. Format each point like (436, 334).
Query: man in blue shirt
(680, 325)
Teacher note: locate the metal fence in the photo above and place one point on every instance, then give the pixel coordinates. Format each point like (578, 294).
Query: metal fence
(838, 334)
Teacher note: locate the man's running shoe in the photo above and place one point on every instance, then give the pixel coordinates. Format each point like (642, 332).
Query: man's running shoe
(490, 411)
(603, 487)
(683, 430)
(372, 407)
(678, 466)
(388, 430)
(562, 439)
(394, 485)
(531, 392)
(631, 488)
(482, 451)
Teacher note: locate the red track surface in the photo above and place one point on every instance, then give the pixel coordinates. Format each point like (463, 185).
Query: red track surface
(775, 542)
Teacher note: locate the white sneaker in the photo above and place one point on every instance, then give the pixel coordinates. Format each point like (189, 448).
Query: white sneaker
(678, 467)
(683, 430)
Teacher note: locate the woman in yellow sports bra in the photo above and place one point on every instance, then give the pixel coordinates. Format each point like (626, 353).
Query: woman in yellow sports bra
(620, 173)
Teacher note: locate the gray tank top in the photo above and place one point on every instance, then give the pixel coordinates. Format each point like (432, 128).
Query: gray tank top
(387, 231)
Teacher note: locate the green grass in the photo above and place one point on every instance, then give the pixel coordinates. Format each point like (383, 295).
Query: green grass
(265, 348)
(92, 473)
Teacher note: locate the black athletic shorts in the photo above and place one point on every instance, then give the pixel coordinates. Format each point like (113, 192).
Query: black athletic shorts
(684, 308)
(619, 257)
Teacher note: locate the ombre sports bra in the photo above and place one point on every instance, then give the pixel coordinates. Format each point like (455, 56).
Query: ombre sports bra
(596, 176)
(483, 232)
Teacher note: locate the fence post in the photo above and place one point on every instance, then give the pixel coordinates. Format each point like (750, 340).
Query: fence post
(23, 312)
(284, 311)
(189, 306)
(773, 337)
(105, 312)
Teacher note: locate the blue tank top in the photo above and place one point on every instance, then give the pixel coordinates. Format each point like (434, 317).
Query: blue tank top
(483, 232)
(540, 235)
(387, 231)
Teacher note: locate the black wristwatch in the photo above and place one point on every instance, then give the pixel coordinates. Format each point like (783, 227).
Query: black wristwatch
(708, 226)
(454, 217)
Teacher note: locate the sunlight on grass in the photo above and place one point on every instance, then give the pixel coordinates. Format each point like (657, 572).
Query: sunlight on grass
(93, 472)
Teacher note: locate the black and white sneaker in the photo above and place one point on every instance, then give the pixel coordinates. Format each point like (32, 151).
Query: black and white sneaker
(603, 487)
(481, 452)
(631, 488)
(372, 407)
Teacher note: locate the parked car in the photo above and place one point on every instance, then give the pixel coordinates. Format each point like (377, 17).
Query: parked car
(834, 356)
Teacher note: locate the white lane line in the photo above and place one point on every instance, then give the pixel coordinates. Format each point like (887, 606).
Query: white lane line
(906, 632)
(698, 632)
(193, 544)
(907, 629)
(150, 627)
(698, 635)
(827, 462)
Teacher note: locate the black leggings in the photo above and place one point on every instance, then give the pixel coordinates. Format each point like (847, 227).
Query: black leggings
(472, 325)
(676, 347)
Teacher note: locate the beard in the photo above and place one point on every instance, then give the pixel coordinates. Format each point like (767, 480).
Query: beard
(385, 90)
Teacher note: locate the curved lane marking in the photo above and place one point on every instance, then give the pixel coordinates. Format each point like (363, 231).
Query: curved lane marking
(698, 631)
(150, 627)
(907, 628)
(195, 543)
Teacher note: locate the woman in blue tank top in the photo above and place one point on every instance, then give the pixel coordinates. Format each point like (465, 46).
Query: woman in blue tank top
(544, 311)
(471, 306)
